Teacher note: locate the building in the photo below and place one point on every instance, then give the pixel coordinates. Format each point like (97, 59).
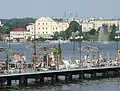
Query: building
(86, 26)
(99, 22)
(45, 27)
(19, 35)
(1, 23)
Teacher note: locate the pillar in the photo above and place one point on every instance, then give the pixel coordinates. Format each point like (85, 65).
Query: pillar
(81, 75)
(36, 79)
(41, 79)
(57, 78)
(93, 75)
(68, 77)
(53, 80)
(22, 80)
(9, 83)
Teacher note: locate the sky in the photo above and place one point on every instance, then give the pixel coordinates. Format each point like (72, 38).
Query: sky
(59, 8)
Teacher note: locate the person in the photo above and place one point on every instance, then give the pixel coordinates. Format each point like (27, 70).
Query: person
(23, 59)
(34, 58)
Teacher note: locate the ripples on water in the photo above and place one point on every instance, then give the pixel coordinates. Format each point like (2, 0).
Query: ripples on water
(112, 84)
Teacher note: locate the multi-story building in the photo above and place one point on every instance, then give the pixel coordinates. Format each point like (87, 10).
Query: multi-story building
(99, 22)
(45, 27)
(86, 26)
(19, 34)
(1, 23)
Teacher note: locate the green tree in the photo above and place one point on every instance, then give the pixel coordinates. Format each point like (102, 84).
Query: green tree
(55, 52)
(113, 33)
(73, 27)
(60, 52)
(56, 35)
(18, 23)
(62, 34)
(92, 32)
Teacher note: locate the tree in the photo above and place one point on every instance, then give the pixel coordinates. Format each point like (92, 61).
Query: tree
(56, 35)
(62, 34)
(92, 32)
(73, 27)
(60, 52)
(113, 33)
(18, 23)
(55, 52)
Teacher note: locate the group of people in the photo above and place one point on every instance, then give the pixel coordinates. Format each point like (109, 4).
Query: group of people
(19, 61)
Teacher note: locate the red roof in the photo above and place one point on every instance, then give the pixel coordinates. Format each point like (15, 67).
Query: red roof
(19, 29)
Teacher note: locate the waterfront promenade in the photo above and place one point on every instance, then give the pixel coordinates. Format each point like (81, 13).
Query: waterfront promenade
(39, 76)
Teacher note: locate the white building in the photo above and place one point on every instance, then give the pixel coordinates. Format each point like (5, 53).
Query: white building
(1, 23)
(91, 23)
(19, 34)
(86, 26)
(45, 27)
(99, 22)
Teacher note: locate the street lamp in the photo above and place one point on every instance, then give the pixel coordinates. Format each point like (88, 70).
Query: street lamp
(80, 40)
(117, 37)
(73, 38)
(98, 56)
(34, 39)
(35, 58)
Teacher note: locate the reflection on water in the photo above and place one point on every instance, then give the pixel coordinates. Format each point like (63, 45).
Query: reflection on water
(112, 84)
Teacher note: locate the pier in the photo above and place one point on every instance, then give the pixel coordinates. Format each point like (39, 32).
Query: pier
(84, 73)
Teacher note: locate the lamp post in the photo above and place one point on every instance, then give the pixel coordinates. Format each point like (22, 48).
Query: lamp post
(34, 39)
(117, 37)
(98, 56)
(35, 58)
(73, 38)
(81, 37)
(80, 40)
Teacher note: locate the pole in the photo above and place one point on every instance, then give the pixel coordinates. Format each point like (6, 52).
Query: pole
(73, 39)
(34, 40)
(98, 56)
(80, 51)
(8, 53)
(117, 52)
(73, 49)
(35, 47)
(117, 48)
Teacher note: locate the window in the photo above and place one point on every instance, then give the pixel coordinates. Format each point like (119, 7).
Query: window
(53, 28)
(43, 32)
(46, 28)
(43, 28)
(38, 32)
(39, 28)
(56, 28)
(46, 23)
(38, 23)
(46, 32)
(43, 23)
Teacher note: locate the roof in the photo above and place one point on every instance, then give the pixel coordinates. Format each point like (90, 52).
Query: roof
(19, 29)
